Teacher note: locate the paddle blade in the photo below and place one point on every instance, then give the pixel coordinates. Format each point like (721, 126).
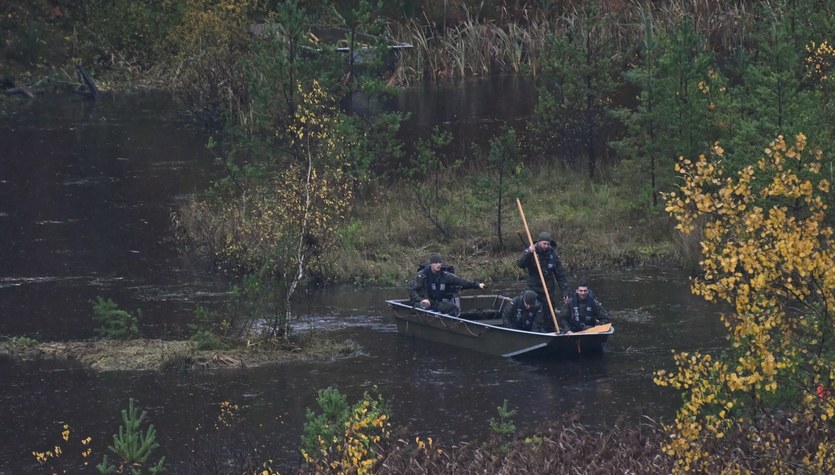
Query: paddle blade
(598, 329)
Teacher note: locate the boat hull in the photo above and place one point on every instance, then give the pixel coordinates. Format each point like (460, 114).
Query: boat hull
(479, 328)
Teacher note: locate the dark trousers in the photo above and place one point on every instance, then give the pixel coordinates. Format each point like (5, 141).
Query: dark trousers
(556, 301)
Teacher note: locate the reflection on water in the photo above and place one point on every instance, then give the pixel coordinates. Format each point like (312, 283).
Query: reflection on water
(86, 193)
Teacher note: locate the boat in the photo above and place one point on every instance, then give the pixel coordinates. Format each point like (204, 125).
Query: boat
(479, 327)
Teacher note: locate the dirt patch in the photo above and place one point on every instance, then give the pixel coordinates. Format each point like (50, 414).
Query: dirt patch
(112, 355)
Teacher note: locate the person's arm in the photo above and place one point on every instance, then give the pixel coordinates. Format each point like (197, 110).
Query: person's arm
(565, 319)
(562, 280)
(572, 321)
(538, 319)
(455, 279)
(416, 291)
(600, 313)
(507, 314)
(525, 259)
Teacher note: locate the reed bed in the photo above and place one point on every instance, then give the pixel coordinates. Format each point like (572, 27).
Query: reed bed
(519, 41)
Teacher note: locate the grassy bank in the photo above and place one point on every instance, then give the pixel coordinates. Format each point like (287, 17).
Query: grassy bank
(596, 226)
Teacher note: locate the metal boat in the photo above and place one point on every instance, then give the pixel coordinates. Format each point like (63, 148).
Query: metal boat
(479, 327)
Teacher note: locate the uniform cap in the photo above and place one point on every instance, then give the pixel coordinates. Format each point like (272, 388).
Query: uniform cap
(435, 258)
(529, 297)
(544, 236)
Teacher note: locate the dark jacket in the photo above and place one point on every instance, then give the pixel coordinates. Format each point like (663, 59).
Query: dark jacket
(580, 314)
(552, 270)
(437, 287)
(515, 315)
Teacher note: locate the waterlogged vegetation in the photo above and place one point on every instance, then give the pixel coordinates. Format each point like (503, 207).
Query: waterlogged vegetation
(719, 115)
(209, 347)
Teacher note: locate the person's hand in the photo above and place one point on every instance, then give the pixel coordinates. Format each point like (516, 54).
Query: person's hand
(481, 285)
(565, 299)
(425, 303)
(531, 248)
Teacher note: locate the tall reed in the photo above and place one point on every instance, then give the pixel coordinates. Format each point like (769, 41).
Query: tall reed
(516, 41)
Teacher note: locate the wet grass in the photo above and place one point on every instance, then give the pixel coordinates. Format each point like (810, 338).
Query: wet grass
(144, 354)
(596, 226)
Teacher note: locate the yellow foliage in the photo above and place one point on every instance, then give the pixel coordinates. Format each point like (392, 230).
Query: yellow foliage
(767, 252)
(364, 432)
(820, 61)
(53, 457)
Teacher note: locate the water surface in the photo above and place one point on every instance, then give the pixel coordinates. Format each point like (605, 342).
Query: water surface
(86, 195)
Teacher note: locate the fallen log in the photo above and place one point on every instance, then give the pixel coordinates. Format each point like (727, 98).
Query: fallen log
(91, 86)
(22, 91)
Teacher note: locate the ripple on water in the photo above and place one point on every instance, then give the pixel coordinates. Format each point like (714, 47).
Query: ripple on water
(91, 180)
(632, 315)
(13, 281)
(55, 221)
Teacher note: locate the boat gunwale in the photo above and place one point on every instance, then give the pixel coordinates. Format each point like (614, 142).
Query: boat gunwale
(404, 304)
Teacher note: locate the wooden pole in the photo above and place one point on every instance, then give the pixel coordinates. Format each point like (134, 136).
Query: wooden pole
(538, 268)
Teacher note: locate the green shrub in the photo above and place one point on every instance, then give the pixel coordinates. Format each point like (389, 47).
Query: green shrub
(132, 446)
(116, 324)
(503, 426)
(207, 340)
(20, 342)
(343, 438)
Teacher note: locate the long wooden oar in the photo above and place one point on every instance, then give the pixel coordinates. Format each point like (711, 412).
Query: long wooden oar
(538, 268)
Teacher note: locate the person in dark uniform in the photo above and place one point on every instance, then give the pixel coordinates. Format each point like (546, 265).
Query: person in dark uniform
(583, 310)
(434, 288)
(524, 312)
(552, 271)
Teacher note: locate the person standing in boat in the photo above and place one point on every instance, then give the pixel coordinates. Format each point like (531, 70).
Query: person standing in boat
(434, 288)
(524, 312)
(584, 310)
(552, 270)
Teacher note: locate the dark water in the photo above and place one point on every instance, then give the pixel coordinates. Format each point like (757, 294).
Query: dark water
(86, 192)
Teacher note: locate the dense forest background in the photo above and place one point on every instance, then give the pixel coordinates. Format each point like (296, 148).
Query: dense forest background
(624, 88)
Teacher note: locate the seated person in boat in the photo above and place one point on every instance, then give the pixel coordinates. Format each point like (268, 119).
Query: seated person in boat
(583, 310)
(524, 312)
(433, 287)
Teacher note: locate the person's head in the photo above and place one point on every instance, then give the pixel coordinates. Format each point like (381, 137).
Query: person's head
(545, 241)
(583, 289)
(436, 261)
(529, 298)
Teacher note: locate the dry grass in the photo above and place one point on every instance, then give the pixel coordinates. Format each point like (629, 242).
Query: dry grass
(566, 446)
